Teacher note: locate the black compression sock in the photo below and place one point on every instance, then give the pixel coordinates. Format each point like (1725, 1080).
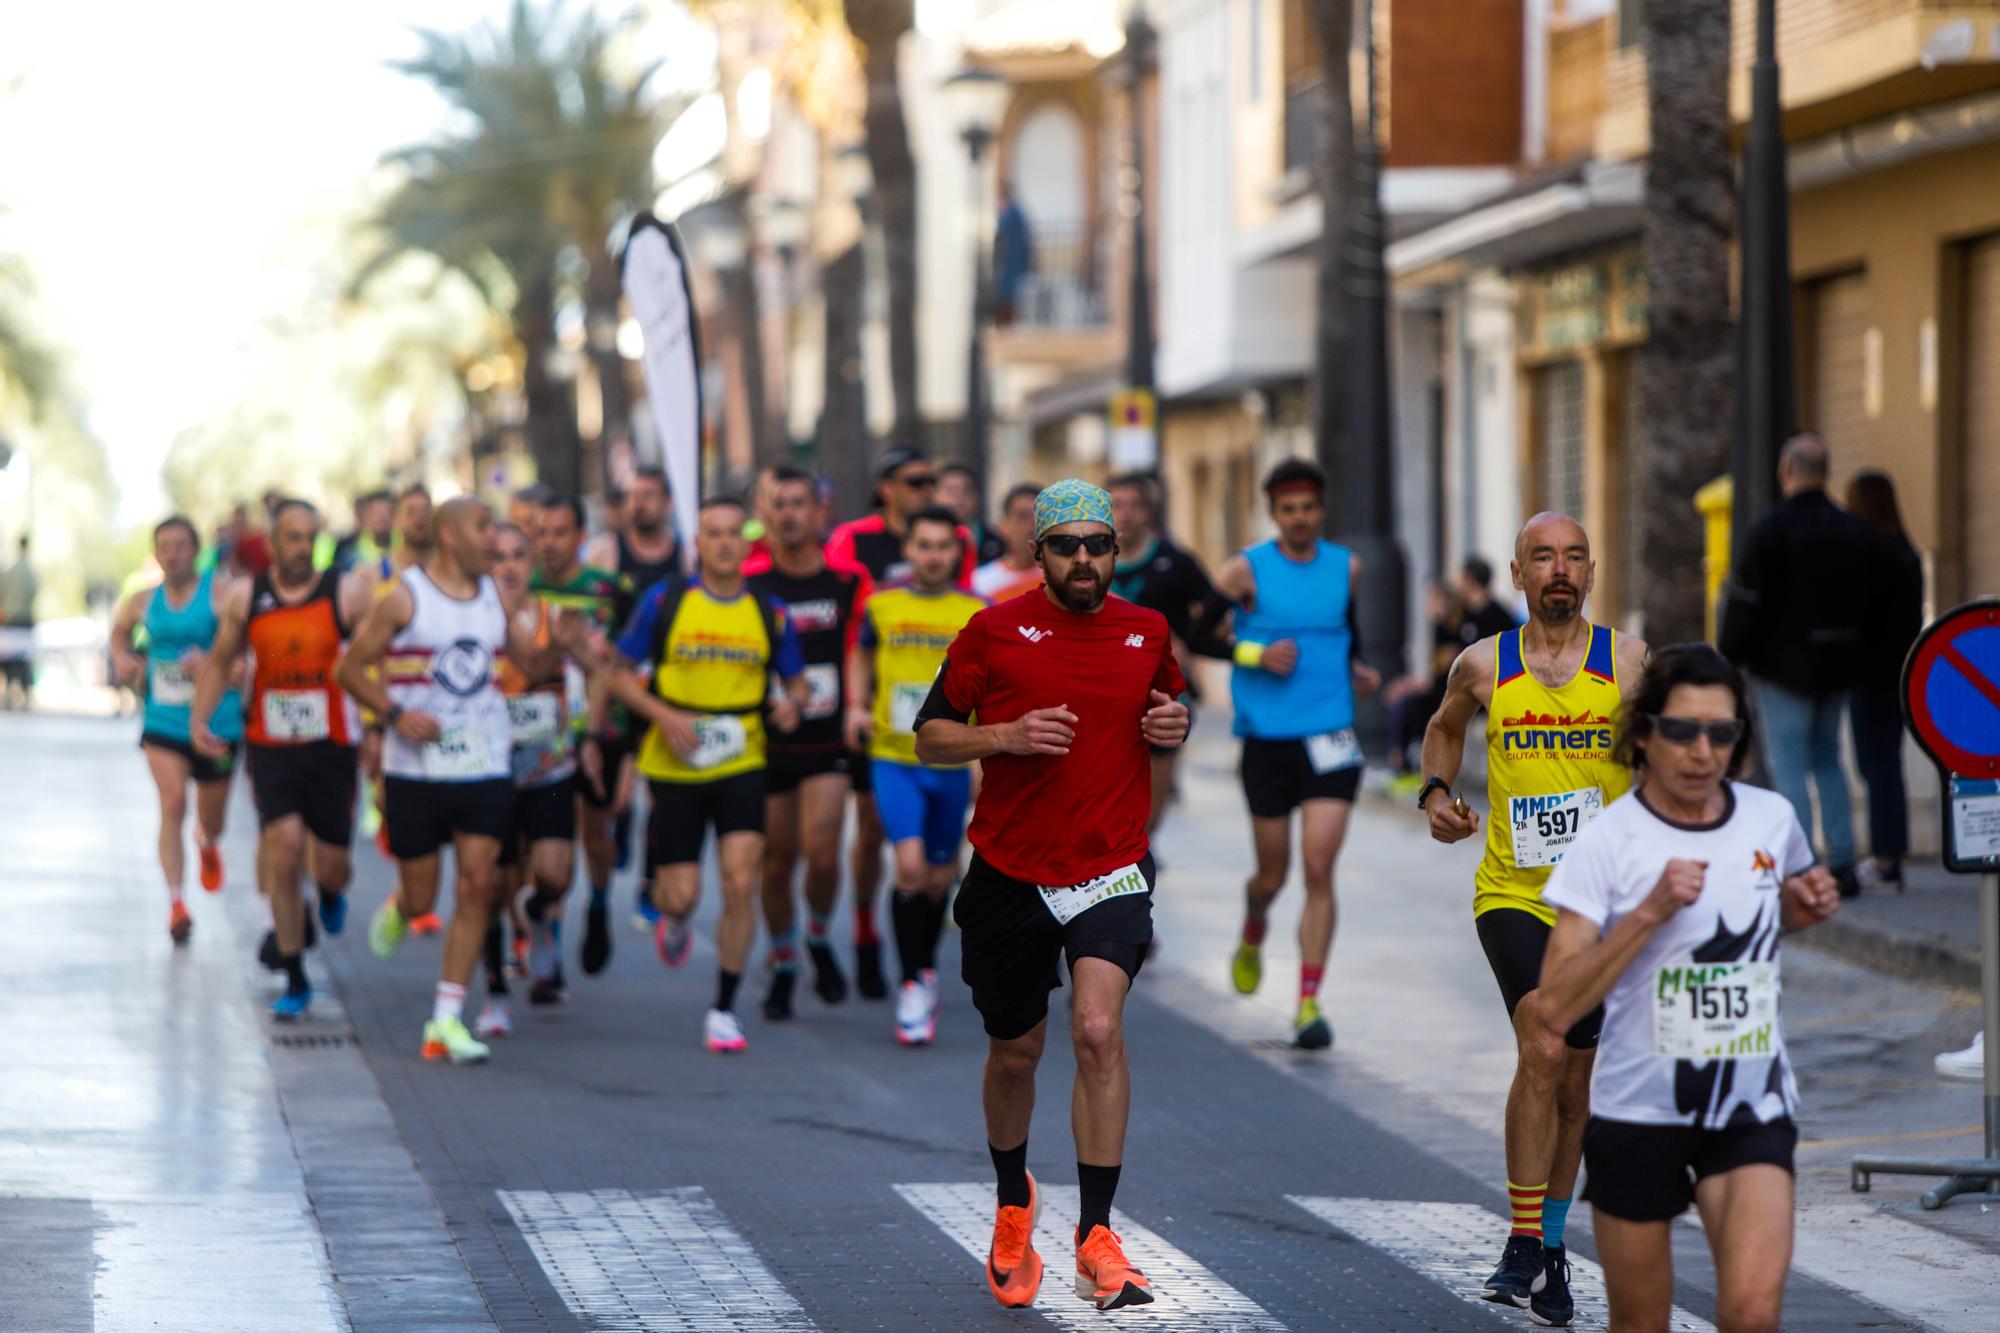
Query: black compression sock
(725, 990)
(1096, 1185)
(909, 917)
(936, 908)
(1010, 1167)
(295, 972)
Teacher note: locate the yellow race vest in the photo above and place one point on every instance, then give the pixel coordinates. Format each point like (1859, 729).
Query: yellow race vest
(1549, 769)
(908, 632)
(716, 664)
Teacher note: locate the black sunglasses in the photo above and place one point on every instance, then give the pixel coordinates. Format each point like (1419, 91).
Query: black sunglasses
(1066, 544)
(924, 482)
(1722, 733)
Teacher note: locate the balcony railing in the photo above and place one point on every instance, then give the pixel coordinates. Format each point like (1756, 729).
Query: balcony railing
(1064, 289)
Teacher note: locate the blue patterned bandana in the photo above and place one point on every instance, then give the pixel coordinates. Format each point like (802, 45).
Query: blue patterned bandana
(1071, 501)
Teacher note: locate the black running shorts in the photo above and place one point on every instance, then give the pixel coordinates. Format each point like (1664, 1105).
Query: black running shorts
(615, 751)
(423, 816)
(1515, 942)
(541, 814)
(1278, 778)
(315, 781)
(784, 772)
(863, 772)
(683, 812)
(1010, 944)
(1647, 1173)
(201, 767)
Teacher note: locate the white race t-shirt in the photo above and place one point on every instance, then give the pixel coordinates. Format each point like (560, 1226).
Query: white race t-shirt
(1691, 1034)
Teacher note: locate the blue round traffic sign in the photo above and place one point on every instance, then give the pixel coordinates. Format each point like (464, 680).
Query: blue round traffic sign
(1951, 690)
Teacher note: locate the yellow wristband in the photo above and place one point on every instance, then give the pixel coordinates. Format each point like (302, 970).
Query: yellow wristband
(1249, 654)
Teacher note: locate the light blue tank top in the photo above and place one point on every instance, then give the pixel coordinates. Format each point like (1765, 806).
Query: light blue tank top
(1305, 602)
(169, 687)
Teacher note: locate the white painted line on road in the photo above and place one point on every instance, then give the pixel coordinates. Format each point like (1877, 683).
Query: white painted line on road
(1188, 1296)
(660, 1262)
(234, 1262)
(1456, 1245)
(1920, 1273)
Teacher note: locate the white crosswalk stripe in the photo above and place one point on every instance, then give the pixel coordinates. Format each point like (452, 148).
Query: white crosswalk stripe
(1455, 1244)
(1190, 1297)
(661, 1262)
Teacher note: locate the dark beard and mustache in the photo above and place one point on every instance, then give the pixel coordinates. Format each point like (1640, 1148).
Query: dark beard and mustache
(1560, 613)
(1083, 597)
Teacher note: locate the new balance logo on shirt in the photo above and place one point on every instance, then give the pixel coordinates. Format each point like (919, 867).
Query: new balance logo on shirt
(1135, 641)
(1034, 634)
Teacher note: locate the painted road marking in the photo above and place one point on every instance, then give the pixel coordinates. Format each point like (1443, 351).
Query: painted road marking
(1190, 1297)
(1454, 1244)
(660, 1262)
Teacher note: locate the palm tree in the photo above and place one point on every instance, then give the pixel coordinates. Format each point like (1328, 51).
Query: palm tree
(879, 27)
(1333, 26)
(556, 153)
(1687, 379)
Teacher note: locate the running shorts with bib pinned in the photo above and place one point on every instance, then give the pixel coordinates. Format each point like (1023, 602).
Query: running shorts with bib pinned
(1014, 935)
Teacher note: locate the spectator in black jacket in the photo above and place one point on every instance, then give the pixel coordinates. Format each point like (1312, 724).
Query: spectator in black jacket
(1875, 710)
(1797, 623)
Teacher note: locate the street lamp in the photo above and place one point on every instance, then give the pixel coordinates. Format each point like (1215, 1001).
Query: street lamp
(978, 99)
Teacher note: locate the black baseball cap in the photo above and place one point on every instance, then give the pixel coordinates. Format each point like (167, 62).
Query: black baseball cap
(899, 457)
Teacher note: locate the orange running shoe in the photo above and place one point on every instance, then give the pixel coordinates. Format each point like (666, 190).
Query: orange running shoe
(1105, 1277)
(211, 865)
(1013, 1269)
(427, 924)
(179, 924)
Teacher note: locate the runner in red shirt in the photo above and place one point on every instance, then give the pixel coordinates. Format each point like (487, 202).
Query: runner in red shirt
(1071, 689)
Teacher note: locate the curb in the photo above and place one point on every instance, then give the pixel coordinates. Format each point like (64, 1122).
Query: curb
(1915, 957)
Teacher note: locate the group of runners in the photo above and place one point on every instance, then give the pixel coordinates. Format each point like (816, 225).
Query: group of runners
(522, 687)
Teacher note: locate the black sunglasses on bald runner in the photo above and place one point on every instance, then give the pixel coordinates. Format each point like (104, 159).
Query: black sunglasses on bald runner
(1066, 544)
(1723, 733)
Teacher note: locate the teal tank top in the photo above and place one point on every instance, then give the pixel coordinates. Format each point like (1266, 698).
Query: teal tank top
(1306, 602)
(171, 635)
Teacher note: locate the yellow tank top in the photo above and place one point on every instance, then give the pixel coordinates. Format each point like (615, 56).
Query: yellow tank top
(908, 632)
(717, 665)
(1549, 769)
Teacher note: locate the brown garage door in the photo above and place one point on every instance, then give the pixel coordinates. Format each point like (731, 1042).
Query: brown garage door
(1835, 401)
(1982, 417)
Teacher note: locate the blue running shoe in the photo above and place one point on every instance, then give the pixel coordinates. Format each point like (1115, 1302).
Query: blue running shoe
(644, 915)
(1553, 1306)
(332, 912)
(1522, 1272)
(291, 1006)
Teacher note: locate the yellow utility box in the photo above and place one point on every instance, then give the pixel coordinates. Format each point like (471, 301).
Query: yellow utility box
(1714, 501)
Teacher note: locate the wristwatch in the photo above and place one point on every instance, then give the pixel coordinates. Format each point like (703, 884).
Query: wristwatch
(1430, 785)
(395, 715)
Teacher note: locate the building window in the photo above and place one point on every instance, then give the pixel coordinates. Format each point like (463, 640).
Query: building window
(1559, 412)
(1631, 23)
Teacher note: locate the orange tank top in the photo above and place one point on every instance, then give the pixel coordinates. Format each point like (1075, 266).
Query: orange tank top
(293, 697)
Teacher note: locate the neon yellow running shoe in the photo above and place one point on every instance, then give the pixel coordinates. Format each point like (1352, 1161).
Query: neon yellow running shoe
(447, 1039)
(1246, 969)
(1310, 1030)
(387, 928)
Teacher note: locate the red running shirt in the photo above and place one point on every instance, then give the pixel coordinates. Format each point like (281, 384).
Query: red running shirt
(1063, 819)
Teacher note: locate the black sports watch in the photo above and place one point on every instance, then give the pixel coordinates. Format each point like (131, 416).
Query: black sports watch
(1430, 785)
(394, 715)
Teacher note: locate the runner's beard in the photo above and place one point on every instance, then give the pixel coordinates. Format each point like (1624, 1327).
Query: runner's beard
(1560, 612)
(1083, 596)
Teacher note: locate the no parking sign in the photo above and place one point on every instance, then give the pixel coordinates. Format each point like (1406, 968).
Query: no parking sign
(1951, 701)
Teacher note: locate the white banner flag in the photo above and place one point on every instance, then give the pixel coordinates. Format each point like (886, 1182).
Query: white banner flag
(656, 283)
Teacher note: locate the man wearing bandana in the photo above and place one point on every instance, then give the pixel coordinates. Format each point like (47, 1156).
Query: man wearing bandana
(1070, 689)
